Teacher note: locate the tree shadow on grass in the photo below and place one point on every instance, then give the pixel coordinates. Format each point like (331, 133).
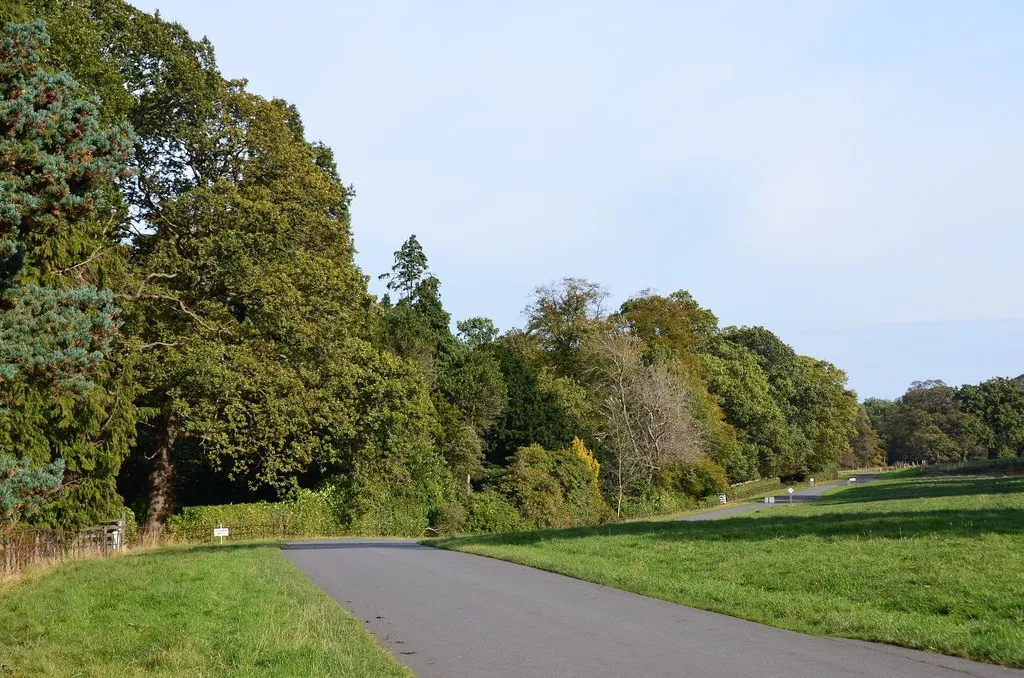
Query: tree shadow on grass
(351, 544)
(226, 547)
(892, 525)
(925, 488)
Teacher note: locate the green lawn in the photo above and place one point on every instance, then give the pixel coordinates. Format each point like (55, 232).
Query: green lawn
(234, 610)
(930, 563)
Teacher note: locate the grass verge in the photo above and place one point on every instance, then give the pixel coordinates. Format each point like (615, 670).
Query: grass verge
(929, 563)
(233, 610)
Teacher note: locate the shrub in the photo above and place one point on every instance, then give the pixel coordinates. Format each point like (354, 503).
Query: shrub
(530, 487)
(131, 525)
(490, 511)
(449, 519)
(385, 498)
(830, 473)
(555, 488)
(701, 478)
(309, 514)
(656, 501)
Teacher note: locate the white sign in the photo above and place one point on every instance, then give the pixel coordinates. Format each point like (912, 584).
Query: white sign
(220, 532)
(721, 499)
(790, 490)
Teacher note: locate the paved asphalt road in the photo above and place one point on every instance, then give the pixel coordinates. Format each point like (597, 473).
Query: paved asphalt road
(782, 501)
(455, 615)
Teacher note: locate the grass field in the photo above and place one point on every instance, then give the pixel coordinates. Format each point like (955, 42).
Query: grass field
(235, 610)
(930, 563)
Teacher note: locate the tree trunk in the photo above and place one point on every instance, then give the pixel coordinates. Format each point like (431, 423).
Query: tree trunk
(161, 479)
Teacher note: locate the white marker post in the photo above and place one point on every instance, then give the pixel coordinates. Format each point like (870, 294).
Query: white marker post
(221, 531)
(790, 490)
(812, 481)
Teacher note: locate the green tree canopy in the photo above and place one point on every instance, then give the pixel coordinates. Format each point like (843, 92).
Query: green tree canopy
(927, 424)
(997, 409)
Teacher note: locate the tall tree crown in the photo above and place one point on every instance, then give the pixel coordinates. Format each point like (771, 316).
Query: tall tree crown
(410, 266)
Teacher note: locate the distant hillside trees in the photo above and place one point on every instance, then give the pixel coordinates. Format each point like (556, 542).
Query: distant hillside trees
(935, 423)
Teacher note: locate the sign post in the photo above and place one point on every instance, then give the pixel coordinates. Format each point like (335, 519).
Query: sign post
(221, 531)
(790, 490)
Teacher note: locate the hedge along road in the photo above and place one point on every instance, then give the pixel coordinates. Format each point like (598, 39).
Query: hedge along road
(456, 615)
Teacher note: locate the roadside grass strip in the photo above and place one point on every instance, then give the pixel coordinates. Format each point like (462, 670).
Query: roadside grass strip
(928, 563)
(233, 610)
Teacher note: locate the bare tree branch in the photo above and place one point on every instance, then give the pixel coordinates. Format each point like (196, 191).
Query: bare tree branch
(140, 295)
(95, 255)
(647, 419)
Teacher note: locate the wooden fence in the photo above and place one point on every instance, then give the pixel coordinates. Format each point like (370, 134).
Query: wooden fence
(23, 548)
(27, 547)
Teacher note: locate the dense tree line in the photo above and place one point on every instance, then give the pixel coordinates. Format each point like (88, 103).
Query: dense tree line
(183, 323)
(936, 423)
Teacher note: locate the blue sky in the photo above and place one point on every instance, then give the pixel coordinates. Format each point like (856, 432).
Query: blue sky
(846, 174)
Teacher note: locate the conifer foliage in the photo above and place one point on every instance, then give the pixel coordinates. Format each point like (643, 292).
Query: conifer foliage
(24, 488)
(56, 161)
(58, 164)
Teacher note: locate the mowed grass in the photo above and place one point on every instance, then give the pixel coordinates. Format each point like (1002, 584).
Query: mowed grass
(931, 563)
(234, 610)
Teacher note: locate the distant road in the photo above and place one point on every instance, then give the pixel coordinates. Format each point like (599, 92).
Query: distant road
(803, 496)
(455, 615)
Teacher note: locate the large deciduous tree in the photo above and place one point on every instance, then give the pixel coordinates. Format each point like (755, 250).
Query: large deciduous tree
(561, 317)
(997, 409)
(927, 424)
(676, 330)
(261, 360)
(811, 394)
(865, 447)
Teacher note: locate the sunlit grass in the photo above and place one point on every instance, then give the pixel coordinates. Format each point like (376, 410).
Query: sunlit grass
(234, 610)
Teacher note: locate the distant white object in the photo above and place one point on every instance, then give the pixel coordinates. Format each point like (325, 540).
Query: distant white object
(790, 490)
(851, 480)
(768, 500)
(220, 532)
(812, 481)
(721, 499)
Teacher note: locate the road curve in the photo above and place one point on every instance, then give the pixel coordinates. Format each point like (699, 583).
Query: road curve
(456, 615)
(807, 494)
